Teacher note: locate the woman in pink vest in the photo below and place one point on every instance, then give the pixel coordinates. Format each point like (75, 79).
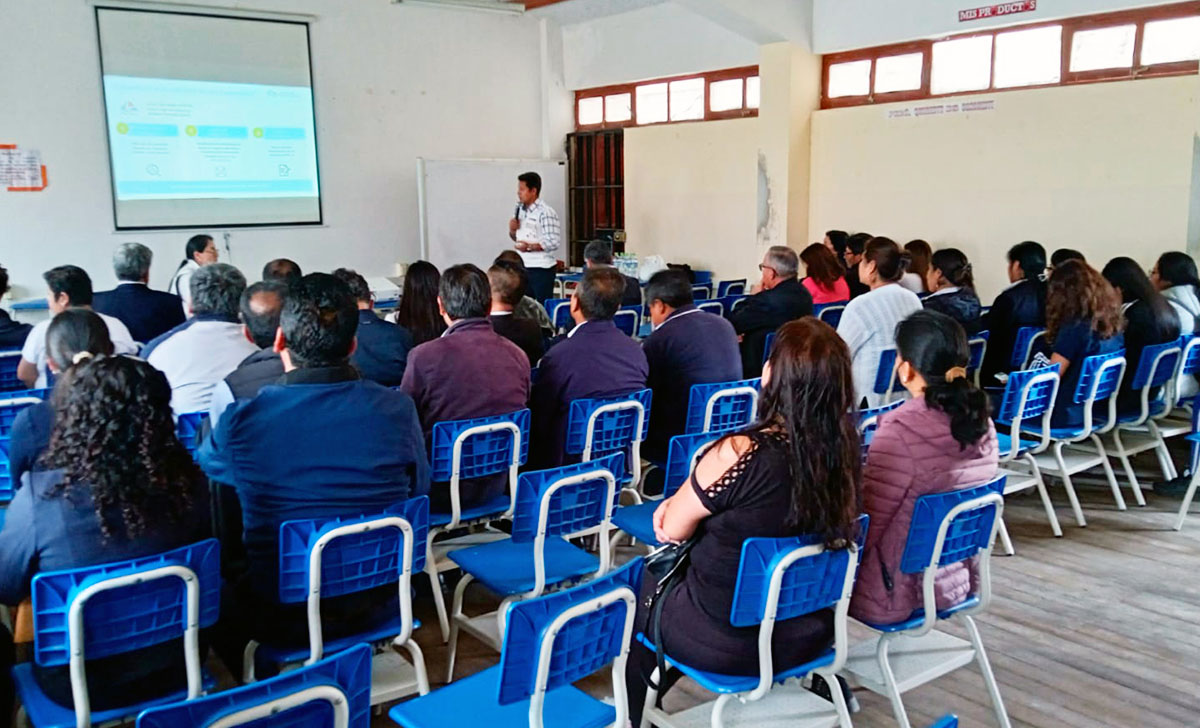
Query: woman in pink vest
(940, 440)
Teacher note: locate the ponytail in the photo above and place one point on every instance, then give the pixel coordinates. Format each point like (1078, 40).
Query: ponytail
(891, 261)
(966, 404)
(955, 267)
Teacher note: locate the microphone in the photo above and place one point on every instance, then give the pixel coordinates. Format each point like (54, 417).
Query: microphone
(517, 212)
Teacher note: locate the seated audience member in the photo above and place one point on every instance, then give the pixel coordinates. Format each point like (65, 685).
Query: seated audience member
(940, 440)
(920, 254)
(147, 313)
(470, 371)
(382, 351)
(418, 310)
(951, 285)
(780, 298)
(1175, 276)
(69, 287)
(835, 241)
(1062, 255)
(75, 335)
(596, 359)
(282, 269)
(1149, 320)
(199, 252)
(855, 245)
(795, 471)
(114, 484)
(322, 443)
(1083, 318)
(869, 322)
(1021, 304)
(528, 308)
(261, 305)
(599, 253)
(204, 350)
(506, 289)
(826, 277)
(12, 333)
(688, 346)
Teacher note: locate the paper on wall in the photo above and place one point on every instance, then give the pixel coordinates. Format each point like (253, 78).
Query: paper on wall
(21, 170)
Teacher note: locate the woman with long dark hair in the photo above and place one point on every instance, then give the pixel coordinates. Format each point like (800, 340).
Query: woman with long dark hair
(795, 471)
(1175, 275)
(418, 309)
(919, 253)
(940, 440)
(1149, 320)
(200, 251)
(951, 285)
(826, 276)
(1083, 318)
(115, 484)
(1023, 303)
(868, 324)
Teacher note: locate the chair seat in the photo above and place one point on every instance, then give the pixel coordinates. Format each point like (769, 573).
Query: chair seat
(285, 654)
(506, 567)
(1004, 443)
(45, 713)
(638, 521)
(1056, 433)
(495, 507)
(918, 617)
(471, 702)
(719, 683)
(1156, 409)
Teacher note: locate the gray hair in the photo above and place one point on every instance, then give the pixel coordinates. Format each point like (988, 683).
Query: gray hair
(599, 252)
(131, 262)
(217, 289)
(783, 260)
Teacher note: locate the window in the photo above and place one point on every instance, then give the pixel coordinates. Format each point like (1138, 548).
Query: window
(1171, 41)
(899, 73)
(962, 65)
(726, 94)
(850, 79)
(1103, 48)
(1028, 57)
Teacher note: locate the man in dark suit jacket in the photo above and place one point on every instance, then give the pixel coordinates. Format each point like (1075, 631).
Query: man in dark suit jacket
(12, 334)
(594, 360)
(506, 294)
(147, 314)
(383, 346)
(599, 254)
(688, 346)
(781, 298)
(469, 371)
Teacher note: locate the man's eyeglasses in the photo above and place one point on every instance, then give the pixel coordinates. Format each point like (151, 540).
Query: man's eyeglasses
(762, 267)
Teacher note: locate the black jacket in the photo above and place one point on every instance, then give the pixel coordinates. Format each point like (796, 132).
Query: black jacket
(765, 312)
(961, 305)
(523, 332)
(256, 371)
(12, 334)
(147, 314)
(1143, 328)
(1021, 304)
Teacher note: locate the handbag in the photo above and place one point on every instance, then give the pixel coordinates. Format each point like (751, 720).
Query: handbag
(668, 564)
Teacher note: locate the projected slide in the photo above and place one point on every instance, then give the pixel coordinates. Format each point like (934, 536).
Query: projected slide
(182, 139)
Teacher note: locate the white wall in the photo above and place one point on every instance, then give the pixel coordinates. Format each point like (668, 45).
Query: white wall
(1106, 168)
(840, 25)
(392, 82)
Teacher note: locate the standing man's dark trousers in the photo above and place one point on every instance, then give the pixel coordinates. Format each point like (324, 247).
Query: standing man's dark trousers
(541, 283)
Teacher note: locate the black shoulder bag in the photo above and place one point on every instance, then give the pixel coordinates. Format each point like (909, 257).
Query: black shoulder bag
(668, 564)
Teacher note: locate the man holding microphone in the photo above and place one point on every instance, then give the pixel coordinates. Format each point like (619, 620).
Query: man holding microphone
(536, 233)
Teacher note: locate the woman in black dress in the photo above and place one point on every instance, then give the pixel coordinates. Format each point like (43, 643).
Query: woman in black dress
(795, 471)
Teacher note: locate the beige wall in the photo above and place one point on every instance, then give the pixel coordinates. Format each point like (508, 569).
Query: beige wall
(691, 194)
(1105, 168)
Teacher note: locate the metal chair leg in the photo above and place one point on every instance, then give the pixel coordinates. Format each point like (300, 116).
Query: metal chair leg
(1066, 478)
(1112, 477)
(985, 667)
(1005, 540)
(889, 681)
(1187, 499)
(1045, 495)
(435, 586)
(456, 616)
(1127, 464)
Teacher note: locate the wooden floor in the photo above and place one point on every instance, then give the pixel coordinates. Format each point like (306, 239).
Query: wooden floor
(1098, 628)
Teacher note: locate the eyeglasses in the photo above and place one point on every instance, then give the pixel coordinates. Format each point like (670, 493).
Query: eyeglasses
(762, 267)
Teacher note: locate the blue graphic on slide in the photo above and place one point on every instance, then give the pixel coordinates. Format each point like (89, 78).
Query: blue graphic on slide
(175, 139)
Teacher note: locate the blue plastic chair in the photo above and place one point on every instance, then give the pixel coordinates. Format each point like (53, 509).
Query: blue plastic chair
(562, 279)
(868, 419)
(332, 557)
(713, 306)
(465, 449)
(8, 371)
(722, 406)
(628, 319)
(332, 693)
(830, 313)
(1023, 346)
(768, 345)
(702, 291)
(1138, 432)
(559, 310)
(946, 528)
(552, 505)
(778, 579)
(949, 721)
(109, 609)
(731, 287)
(1029, 397)
(602, 426)
(187, 429)
(978, 346)
(551, 642)
(11, 405)
(732, 301)
(887, 380)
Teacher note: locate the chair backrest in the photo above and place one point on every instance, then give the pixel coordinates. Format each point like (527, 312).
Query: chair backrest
(1098, 382)
(768, 345)
(682, 456)
(869, 418)
(11, 405)
(831, 313)
(324, 558)
(1029, 395)
(566, 500)
(732, 301)
(702, 290)
(334, 692)
(732, 287)
(977, 345)
(1189, 364)
(605, 425)
(8, 371)
(555, 640)
(722, 406)
(1157, 368)
(473, 448)
(714, 306)
(559, 310)
(1023, 345)
(885, 376)
(187, 429)
(628, 320)
(109, 609)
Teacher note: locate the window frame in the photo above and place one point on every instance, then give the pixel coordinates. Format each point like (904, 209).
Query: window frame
(1070, 26)
(744, 73)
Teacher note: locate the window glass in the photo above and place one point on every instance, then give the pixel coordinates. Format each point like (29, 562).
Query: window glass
(962, 65)
(618, 107)
(1168, 41)
(652, 103)
(687, 99)
(591, 110)
(1029, 57)
(850, 79)
(898, 73)
(752, 92)
(1092, 50)
(725, 95)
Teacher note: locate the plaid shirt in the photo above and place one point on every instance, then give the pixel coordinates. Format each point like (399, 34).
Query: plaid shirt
(539, 224)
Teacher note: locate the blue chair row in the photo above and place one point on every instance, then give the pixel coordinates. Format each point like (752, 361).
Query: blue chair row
(830, 313)
(11, 405)
(732, 287)
(8, 371)
(978, 346)
(1025, 345)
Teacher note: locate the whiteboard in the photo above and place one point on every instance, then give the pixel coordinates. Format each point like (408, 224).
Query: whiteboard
(465, 206)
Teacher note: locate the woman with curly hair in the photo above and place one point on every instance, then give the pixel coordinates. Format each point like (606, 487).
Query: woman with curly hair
(114, 484)
(1083, 318)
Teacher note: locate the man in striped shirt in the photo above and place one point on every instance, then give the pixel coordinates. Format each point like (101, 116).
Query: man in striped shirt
(537, 234)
